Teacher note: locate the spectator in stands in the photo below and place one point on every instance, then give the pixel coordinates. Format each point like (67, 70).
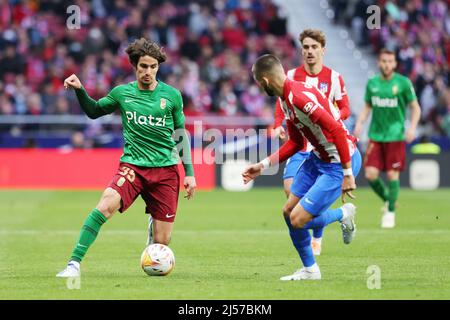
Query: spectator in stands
(210, 44)
(419, 32)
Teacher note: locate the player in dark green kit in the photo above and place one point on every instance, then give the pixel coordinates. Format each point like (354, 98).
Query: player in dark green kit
(151, 113)
(387, 97)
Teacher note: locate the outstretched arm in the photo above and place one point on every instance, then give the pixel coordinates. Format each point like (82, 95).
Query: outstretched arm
(93, 109)
(295, 143)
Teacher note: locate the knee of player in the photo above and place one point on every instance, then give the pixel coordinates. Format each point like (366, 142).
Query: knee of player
(371, 175)
(287, 210)
(392, 175)
(109, 202)
(297, 221)
(106, 210)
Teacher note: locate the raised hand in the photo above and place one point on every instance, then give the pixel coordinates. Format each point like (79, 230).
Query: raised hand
(72, 82)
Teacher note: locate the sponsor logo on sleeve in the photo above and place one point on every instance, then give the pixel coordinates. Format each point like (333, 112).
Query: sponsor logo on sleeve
(308, 107)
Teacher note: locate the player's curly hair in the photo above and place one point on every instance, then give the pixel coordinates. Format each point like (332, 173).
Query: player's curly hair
(142, 47)
(315, 34)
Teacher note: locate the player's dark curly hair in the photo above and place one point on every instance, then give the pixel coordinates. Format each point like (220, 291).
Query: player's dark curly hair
(142, 47)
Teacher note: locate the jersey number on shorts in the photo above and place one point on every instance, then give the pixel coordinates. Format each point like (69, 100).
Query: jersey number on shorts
(127, 173)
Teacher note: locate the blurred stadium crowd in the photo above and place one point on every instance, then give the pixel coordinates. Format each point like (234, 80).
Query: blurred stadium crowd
(210, 47)
(419, 32)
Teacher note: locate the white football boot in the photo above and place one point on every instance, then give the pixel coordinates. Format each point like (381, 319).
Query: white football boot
(316, 245)
(388, 220)
(311, 273)
(348, 225)
(71, 271)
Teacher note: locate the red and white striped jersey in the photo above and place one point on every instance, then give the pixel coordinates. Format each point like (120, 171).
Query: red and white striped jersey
(309, 114)
(329, 82)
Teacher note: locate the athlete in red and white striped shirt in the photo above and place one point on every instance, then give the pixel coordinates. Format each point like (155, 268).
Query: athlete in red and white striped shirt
(328, 81)
(325, 174)
(331, 84)
(311, 115)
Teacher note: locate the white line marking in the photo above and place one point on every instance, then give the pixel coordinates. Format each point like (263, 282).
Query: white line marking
(209, 232)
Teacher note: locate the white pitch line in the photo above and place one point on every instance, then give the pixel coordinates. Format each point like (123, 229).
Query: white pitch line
(207, 232)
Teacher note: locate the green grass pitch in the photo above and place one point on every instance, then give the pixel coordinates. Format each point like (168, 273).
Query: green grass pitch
(227, 246)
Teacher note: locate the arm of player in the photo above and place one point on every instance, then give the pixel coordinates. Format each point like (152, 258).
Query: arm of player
(93, 109)
(342, 100)
(184, 149)
(415, 117)
(278, 129)
(295, 143)
(344, 107)
(361, 120)
(340, 141)
(318, 115)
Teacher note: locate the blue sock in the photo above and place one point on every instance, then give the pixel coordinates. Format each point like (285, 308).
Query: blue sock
(301, 239)
(318, 232)
(327, 217)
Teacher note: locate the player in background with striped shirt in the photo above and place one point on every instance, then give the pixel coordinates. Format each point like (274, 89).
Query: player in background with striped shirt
(331, 84)
(327, 173)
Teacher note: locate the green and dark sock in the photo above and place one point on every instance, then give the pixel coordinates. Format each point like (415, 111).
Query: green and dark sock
(380, 188)
(88, 233)
(394, 188)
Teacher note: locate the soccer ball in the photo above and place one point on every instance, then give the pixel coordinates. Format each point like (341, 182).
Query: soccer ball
(157, 260)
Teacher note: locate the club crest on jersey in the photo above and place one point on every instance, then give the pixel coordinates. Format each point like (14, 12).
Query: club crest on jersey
(323, 86)
(394, 89)
(163, 103)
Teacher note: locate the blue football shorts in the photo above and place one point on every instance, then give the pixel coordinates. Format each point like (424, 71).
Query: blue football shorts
(319, 183)
(293, 164)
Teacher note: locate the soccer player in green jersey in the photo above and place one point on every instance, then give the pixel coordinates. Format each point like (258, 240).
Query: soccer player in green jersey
(151, 112)
(387, 97)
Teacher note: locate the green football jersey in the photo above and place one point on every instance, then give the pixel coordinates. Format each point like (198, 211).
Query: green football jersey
(149, 119)
(388, 100)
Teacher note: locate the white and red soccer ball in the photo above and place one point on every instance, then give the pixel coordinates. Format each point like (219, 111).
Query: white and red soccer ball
(157, 260)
